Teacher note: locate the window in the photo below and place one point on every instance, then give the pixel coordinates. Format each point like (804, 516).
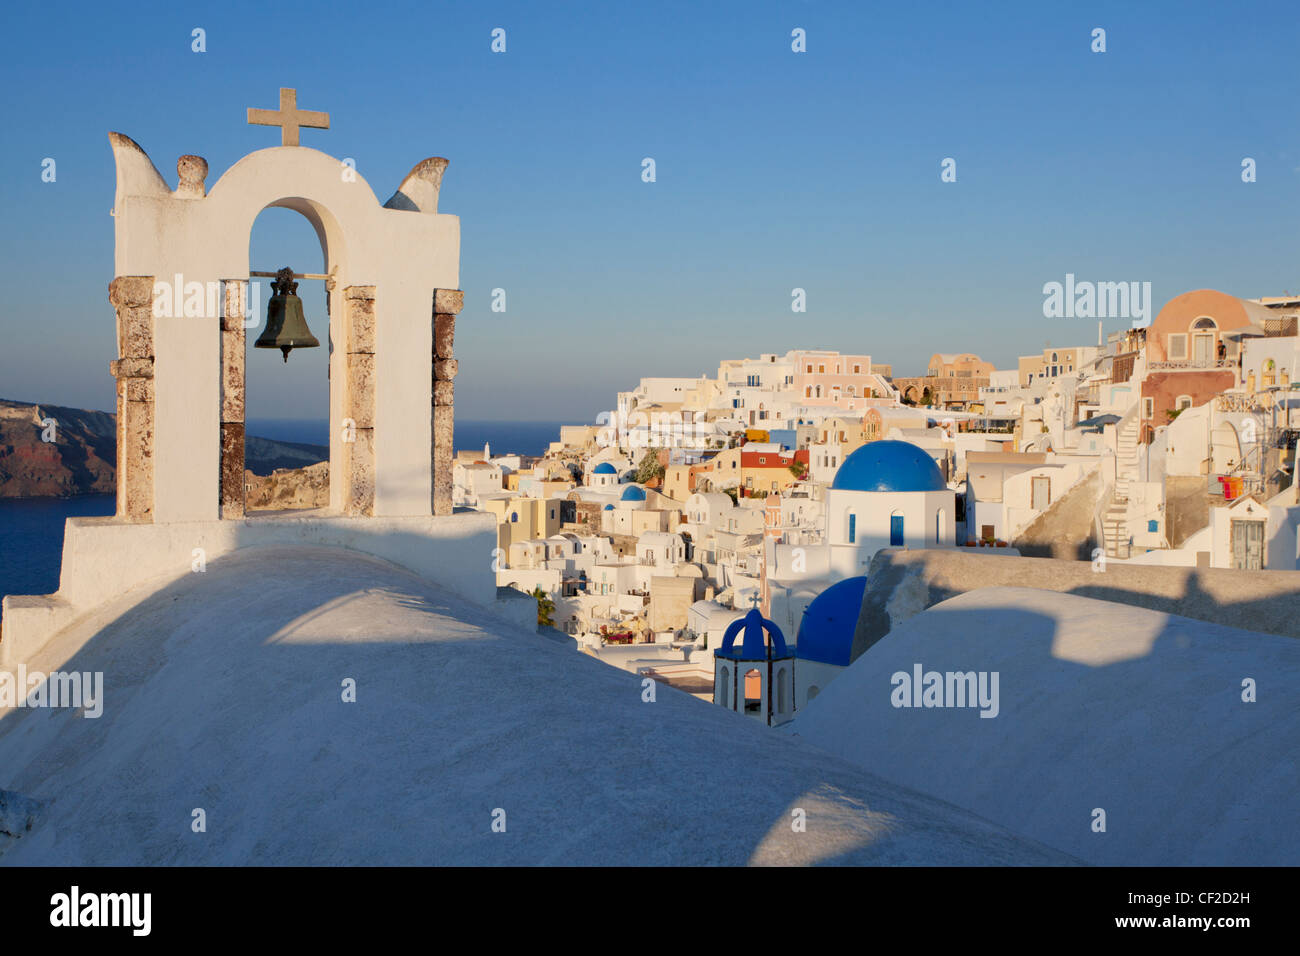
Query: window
(514, 516)
(821, 369)
(1204, 322)
(809, 369)
(853, 528)
(1178, 347)
(1184, 401)
(895, 531)
(1148, 407)
(1054, 358)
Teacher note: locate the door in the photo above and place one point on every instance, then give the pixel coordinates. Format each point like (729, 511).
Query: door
(1248, 545)
(1204, 354)
(1042, 494)
(896, 531)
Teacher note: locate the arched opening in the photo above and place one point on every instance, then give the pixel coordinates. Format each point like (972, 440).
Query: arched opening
(1225, 448)
(724, 690)
(812, 692)
(782, 690)
(896, 537)
(1203, 334)
(286, 403)
(753, 691)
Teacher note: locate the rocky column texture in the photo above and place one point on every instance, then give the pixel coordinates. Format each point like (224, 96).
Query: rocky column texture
(446, 304)
(132, 298)
(232, 401)
(359, 429)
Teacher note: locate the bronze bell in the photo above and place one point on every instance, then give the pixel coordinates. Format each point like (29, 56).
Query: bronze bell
(286, 326)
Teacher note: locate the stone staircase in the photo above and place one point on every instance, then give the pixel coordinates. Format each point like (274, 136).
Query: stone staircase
(1114, 523)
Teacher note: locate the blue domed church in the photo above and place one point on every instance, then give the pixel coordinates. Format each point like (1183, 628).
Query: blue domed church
(755, 678)
(824, 647)
(887, 494)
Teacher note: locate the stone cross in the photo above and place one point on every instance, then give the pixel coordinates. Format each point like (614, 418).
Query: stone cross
(289, 118)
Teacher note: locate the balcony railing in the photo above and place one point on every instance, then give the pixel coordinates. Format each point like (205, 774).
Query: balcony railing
(1194, 364)
(1237, 402)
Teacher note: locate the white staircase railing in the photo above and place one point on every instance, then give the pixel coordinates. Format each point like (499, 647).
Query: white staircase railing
(1114, 523)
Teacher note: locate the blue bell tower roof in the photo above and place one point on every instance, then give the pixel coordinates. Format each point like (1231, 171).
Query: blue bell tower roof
(753, 646)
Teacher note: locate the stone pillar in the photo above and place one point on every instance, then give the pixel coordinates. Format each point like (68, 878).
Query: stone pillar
(359, 400)
(232, 400)
(132, 298)
(446, 304)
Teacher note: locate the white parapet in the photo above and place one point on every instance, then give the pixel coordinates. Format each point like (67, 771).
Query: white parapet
(107, 557)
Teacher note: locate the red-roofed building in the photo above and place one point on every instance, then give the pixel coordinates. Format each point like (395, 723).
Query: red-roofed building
(768, 471)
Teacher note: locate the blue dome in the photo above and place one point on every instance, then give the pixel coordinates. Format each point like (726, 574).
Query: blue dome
(609, 507)
(604, 468)
(826, 631)
(889, 466)
(633, 493)
(753, 647)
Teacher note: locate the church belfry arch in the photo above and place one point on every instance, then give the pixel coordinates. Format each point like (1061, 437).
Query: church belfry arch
(180, 275)
(393, 273)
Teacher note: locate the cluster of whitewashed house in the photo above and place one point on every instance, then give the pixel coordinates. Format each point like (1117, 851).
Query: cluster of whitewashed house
(1073, 449)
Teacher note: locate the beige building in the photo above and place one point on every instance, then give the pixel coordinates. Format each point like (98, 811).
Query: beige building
(1053, 363)
(521, 519)
(951, 379)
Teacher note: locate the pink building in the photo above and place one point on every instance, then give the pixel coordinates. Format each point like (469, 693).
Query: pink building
(842, 382)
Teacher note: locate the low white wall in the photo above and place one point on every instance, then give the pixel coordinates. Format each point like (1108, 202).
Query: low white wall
(105, 557)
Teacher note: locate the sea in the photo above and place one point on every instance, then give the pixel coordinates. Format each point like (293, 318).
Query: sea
(509, 437)
(31, 529)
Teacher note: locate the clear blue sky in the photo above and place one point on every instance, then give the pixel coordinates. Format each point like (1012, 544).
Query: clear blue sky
(775, 170)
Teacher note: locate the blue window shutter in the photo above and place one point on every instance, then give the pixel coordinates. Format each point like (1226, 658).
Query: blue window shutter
(896, 531)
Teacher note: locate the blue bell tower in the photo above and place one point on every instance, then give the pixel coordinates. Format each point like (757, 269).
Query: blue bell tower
(755, 678)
